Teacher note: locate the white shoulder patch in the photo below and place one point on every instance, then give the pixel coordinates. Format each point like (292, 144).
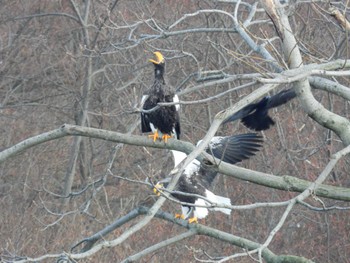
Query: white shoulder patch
(215, 140)
(192, 168)
(153, 129)
(176, 99)
(143, 99)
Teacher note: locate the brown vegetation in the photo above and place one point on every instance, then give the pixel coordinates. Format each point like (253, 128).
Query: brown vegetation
(91, 71)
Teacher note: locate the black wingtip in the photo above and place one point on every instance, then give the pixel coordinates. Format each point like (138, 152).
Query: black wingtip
(255, 116)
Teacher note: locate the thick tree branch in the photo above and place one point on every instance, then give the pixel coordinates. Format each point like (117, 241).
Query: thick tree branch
(198, 229)
(330, 86)
(285, 182)
(160, 245)
(326, 118)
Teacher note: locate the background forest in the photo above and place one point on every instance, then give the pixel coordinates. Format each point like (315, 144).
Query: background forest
(85, 63)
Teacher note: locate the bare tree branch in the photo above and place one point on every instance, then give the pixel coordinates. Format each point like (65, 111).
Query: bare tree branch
(314, 109)
(194, 229)
(160, 245)
(287, 183)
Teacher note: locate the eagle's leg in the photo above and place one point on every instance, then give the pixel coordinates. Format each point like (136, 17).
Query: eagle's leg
(180, 216)
(165, 137)
(193, 220)
(155, 135)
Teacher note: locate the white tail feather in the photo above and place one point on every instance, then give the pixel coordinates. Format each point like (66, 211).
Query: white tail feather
(220, 200)
(202, 212)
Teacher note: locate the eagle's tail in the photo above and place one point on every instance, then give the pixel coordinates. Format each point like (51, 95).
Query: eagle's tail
(220, 200)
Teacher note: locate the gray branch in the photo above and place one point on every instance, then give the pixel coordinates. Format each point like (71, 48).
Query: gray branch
(338, 124)
(283, 182)
(160, 245)
(198, 229)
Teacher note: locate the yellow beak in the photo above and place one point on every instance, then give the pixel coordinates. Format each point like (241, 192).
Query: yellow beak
(159, 56)
(156, 187)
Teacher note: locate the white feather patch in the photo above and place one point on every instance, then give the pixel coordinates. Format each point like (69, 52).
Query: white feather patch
(219, 200)
(178, 157)
(186, 211)
(153, 129)
(192, 168)
(174, 132)
(216, 140)
(143, 99)
(176, 99)
(200, 212)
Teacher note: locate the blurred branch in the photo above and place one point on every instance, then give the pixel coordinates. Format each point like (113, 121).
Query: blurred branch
(82, 110)
(157, 246)
(225, 79)
(288, 76)
(304, 73)
(206, 100)
(90, 241)
(97, 187)
(47, 14)
(341, 18)
(323, 208)
(306, 193)
(194, 229)
(299, 198)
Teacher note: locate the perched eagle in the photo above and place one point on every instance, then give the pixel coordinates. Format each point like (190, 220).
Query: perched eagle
(255, 116)
(163, 121)
(197, 177)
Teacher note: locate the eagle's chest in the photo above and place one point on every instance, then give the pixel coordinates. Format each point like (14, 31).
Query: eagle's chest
(162, 118)
(189, 185)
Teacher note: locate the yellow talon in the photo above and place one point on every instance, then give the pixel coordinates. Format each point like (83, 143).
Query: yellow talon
(165, 137)
(154, 136)
(156, 189)
(193, 220)
(180, 216)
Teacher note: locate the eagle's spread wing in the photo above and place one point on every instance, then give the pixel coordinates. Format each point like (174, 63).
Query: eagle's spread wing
(233, 149)
(230, 149)
(255, 115)
(197, 177)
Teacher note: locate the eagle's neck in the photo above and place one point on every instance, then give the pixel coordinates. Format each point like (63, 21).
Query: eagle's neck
(159, 72)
